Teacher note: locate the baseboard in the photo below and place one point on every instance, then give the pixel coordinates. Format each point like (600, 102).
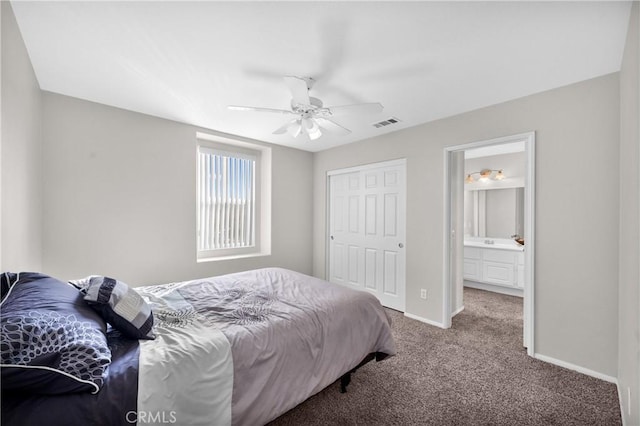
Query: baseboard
(458, 311)
(577, 368)
(509, 291)
(424, 320)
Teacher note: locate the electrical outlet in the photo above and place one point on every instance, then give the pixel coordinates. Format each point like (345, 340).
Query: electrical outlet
(423, 293)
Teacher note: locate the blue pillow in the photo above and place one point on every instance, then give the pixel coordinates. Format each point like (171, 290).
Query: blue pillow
(121, 306)
(51, 341)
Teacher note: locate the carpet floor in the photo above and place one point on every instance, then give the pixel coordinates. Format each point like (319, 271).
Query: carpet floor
(476, 373)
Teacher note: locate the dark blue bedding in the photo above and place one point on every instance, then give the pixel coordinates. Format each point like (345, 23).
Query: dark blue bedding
(114, 405)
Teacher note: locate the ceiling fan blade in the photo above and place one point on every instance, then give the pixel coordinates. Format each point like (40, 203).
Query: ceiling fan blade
(370, 108)
(294, 128)
(331, 126)
(284, 128)
(299, 90)
(258, 109)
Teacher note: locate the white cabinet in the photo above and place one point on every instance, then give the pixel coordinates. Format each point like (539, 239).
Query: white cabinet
(497, 273)
(494, 266)
(472, 269)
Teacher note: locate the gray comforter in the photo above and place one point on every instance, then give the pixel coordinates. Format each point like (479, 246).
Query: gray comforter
(245, 348)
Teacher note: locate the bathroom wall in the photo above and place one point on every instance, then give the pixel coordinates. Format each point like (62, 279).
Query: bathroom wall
(500, 212)
(501, 216)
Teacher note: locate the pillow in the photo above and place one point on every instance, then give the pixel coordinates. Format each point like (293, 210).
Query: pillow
(121, 306)
(82, 283)
(51, 341)
(7, 280)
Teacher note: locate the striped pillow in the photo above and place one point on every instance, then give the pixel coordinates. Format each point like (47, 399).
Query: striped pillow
(121, 306)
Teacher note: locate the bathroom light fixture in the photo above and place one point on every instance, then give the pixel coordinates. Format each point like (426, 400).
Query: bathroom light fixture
(485, 175)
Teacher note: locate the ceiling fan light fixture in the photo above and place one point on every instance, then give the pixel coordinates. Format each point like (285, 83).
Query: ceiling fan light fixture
(314, 135)
(308, 109)
(309, 124)
(311, 128)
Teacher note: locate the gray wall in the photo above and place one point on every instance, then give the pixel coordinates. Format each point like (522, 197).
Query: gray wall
(120, 198)
(577, 132)
(20, 154)
(629, 293)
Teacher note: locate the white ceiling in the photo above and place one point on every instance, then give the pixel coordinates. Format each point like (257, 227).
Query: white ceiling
(187, 61)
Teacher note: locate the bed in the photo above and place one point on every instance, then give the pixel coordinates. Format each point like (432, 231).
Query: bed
(239, 349)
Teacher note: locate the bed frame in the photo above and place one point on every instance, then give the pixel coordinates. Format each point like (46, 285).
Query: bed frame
(346, 378)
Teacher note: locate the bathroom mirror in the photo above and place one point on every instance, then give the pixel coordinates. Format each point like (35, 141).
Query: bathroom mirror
(494, 213)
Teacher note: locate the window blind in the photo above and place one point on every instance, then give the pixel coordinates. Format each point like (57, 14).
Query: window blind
(226, 183)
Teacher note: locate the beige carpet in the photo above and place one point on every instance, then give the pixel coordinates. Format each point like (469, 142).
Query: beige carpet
(476, 373)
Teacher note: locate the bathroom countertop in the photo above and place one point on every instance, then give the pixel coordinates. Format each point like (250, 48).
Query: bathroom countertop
(499, 244)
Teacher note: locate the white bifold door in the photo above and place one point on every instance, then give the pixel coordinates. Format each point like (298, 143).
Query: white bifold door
(367, 230)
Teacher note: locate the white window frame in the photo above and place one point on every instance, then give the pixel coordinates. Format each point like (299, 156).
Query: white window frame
(262, 192)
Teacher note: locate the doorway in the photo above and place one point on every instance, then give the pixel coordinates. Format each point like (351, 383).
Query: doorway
(454, 228)
(367, 228)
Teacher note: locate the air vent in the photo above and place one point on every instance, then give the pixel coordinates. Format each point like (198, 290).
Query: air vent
(389, 121)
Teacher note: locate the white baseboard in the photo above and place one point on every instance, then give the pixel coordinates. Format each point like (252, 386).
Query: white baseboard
(510, 291)
(458, 311)
(424, 320)
(577, 368)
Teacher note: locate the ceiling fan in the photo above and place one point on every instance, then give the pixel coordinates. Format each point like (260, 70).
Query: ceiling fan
(311, 116)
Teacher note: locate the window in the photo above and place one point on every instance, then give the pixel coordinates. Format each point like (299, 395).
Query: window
(227, 200)
(232, 218)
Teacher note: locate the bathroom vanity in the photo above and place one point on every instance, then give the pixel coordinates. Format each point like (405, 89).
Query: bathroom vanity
(494, 264)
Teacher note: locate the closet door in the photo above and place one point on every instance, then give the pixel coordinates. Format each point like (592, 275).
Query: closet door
(367, 230)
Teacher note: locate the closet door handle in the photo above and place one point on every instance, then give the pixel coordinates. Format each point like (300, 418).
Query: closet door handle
(401, 245)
